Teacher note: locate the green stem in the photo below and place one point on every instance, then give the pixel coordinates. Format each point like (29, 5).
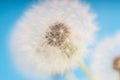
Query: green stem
(86, 70)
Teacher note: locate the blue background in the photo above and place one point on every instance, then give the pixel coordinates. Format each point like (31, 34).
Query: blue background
(108, 18)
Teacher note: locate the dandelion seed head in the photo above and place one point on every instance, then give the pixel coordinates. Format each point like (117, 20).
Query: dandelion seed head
(106, 59)
(116, 64)
(57, 34)
(52, 37)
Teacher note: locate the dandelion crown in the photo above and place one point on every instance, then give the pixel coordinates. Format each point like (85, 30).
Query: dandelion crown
(51, 38)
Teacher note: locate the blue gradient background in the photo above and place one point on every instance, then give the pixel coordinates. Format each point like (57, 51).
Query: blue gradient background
(108, 18)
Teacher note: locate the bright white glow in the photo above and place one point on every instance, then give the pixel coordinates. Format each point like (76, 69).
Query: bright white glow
(105, 53)
(33, 59)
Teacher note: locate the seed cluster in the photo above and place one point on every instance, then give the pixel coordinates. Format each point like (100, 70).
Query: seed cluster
(116, 64)
(57, 34)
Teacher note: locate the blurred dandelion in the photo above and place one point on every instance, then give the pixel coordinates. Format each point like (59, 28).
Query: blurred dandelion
(52, 38)
(116, 65)
(106, 59)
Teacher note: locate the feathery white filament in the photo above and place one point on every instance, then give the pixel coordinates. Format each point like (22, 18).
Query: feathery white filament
(33, 56)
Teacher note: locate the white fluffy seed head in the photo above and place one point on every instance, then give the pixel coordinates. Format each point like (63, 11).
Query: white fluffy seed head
(34, 55)
(104, 65)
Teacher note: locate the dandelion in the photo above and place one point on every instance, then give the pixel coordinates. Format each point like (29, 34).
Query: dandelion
(106, 59)
(52, 38)
(116, 65)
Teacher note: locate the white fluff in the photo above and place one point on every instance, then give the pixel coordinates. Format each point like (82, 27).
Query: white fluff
(103, 57)
(32, 59)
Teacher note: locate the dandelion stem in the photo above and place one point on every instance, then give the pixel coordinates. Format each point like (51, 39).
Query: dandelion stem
(85, 69)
